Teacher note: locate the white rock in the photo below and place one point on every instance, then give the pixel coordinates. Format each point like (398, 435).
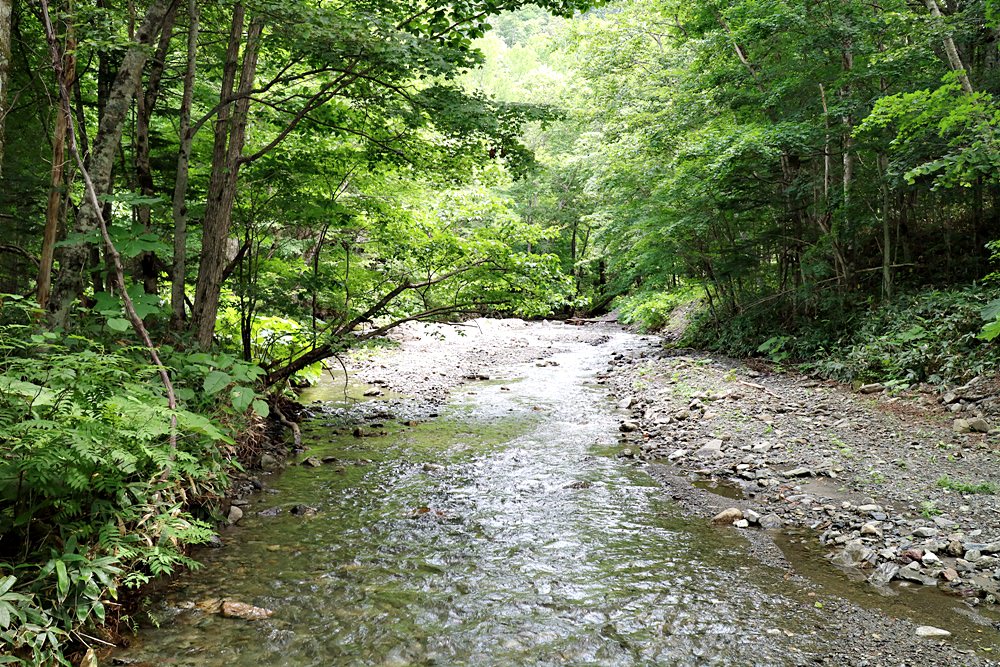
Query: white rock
(930, 632)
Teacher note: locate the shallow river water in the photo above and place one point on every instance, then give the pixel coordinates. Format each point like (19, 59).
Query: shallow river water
(504, 532)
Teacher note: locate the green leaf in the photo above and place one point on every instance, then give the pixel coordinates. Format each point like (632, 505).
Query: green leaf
(62, 578)
(990, 331)
(118, 324)
(7, 583)
(216, 381)
(242, 397)
(991, 311)
(5, 614)
(260, 407)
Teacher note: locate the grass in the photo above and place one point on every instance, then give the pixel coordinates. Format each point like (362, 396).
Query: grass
(984, 488)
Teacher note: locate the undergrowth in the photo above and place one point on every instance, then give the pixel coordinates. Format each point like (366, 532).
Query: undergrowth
(928, 336)
(93, 496)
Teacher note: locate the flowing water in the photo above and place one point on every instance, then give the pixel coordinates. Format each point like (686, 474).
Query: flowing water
(503, 532)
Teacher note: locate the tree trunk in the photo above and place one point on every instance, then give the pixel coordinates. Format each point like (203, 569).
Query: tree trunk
(954, 60)
(145, 101)
(5, 24)
(180, 212)
(230, 132)
(69, 284)
(57, 189)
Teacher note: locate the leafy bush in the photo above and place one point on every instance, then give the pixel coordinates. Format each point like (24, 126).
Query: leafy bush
(927, 336)
(652, 310)
(92, 494)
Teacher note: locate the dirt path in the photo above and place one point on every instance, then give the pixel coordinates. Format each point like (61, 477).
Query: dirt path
(875, 482)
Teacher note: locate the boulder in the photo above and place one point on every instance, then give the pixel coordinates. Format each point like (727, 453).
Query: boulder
(247, 612)
(728, 516)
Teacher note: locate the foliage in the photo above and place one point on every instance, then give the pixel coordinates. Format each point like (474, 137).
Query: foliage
(92, 496)
(652, 310)
(926, 336)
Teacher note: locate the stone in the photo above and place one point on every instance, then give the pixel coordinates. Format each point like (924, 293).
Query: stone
(677, 454)
(742, 523)
(979, 425)
(268, 462)
(312, 462)
(751, 516)
(872, 388)
(628, 427)
(728, 516)
(869, 508)
(925, 531)
(949, 574)
(235, 514)
(771, 522)
(854, 554)
(798, 472)
(626, 402)
(871, 529)
(247, 612)
(711, 448)
(930, 558)
(961, 426)
(883, 574)
(930, 632)
(373, 392)
(955, 549)
(950, 398)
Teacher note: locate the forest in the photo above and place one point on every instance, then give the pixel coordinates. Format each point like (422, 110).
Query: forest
(205, 201)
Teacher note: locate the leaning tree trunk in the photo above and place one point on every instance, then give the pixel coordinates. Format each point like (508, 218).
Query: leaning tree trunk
(70, 281)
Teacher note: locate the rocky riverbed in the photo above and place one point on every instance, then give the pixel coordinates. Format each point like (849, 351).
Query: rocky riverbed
(490, 481)
(899, 489)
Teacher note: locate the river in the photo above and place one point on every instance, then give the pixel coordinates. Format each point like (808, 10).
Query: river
(505, 531)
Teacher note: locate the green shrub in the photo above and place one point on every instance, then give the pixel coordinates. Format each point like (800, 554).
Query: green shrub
(927, 336)
(92, 494)
(651, 311)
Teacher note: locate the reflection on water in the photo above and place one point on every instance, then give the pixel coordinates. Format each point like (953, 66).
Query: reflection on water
(498, 534)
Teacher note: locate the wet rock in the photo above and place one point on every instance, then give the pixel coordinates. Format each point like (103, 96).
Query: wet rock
(883, 574)
(303, 510)
(930, 632)
(268, 462)
(373, 392)
(247, 612)
(312, 462)
(854, 554)
(728, 516)
(235, 514)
